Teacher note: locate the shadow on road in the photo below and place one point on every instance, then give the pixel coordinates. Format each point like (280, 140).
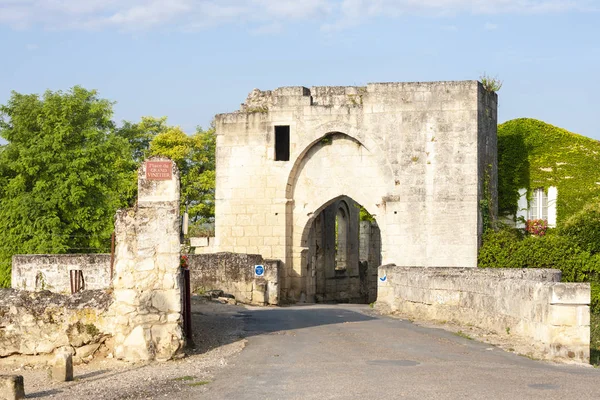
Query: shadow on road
(216, 325)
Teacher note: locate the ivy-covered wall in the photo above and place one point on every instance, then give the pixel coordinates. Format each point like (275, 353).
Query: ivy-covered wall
(533, 154)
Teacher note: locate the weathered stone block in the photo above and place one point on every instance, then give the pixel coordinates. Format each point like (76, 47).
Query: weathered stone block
(569, 315)
(12, 387)
(199, 242)
(62, 367)
(568, 293)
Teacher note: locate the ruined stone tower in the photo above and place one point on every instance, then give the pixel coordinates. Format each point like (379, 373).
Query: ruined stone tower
(419, 157)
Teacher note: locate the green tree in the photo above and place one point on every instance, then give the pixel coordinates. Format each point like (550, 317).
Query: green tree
(195, 158)
(140, 135)
(63, 174)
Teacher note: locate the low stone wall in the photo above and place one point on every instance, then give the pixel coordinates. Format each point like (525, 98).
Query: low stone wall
(51, 272)
(530, 304)
(234, 274)
(34, 323)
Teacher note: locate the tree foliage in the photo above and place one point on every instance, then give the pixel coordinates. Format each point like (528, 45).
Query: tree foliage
(195, 158)
(63, 174)
(67, 168)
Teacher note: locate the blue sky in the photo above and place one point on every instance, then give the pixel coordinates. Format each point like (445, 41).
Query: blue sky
(191, 59)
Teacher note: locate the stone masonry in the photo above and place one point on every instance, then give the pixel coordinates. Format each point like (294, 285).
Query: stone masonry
(147, 287)
(531, 304)
(234, 275)
(416, 155)
(43, 322)
(51, 271)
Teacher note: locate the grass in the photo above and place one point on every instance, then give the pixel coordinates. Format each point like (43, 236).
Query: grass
(463, 335)
(491, 84)
(595, 339)
(530, 356)
(185, 378)
(200, 383)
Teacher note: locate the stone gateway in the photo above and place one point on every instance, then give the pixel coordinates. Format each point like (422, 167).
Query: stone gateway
(418, 159)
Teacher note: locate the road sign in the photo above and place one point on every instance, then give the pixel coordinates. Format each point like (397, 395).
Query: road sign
(259, 270)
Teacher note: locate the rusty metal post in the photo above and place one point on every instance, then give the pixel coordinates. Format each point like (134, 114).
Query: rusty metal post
(77, 281)
(112, 256)
(187, 304)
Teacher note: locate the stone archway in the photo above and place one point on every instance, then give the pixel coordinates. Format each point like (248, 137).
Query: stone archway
(334, 167)
(343, 254)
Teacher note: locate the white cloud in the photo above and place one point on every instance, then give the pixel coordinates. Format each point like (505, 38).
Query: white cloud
(195, 14)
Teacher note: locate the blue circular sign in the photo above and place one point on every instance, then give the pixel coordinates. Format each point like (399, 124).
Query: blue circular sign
(259, 270)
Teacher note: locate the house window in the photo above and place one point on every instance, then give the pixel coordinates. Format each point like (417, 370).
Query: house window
(538, 206)
(282, 143)
(542, 205)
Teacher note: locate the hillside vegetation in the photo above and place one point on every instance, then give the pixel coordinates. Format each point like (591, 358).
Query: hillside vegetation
(533, 154)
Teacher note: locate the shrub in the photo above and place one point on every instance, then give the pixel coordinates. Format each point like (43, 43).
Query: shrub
(595, 306)
(506, 249)
(491, 84)
(584, 227)
(498, 248)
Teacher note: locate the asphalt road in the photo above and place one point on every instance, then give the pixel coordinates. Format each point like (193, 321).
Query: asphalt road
(347, 352)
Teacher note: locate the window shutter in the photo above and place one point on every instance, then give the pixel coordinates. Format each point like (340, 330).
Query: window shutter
(544, 207)
(533, 205)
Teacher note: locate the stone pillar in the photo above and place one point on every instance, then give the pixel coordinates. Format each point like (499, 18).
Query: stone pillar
(62, 368)
(147, 307)
(11, 387)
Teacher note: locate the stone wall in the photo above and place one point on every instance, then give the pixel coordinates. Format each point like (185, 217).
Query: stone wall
(415, 155)
(202, 245)
(528, 304)
(234, 274)
(147, 283)
(35, 323)
(370, 253)
(143, 314)
(51, 272)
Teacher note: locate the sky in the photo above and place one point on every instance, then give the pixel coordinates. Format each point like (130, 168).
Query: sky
(191, 59)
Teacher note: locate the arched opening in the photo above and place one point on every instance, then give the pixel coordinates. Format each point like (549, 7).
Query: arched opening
(334, 166)
(344, 252)
(341, 236)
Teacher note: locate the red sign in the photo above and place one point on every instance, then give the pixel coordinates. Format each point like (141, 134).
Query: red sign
(159, 170)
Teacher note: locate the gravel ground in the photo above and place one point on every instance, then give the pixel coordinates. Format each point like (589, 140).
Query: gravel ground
(218, 331)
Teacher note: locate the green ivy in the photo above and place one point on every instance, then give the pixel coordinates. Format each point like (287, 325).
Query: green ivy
(533, 154)
(486, 203)
(584, 227)
(508, 249)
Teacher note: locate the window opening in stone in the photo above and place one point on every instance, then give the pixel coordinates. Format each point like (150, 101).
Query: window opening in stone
(341, 238)
(282, 143)
(538, 206)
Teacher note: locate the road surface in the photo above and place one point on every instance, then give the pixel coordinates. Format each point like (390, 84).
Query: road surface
(348, 352)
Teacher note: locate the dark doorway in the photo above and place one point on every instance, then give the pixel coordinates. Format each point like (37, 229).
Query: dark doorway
(344, 253)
